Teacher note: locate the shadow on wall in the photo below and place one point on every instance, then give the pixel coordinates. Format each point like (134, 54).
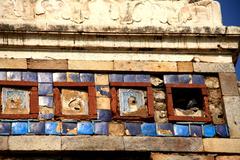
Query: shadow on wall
(238, 68)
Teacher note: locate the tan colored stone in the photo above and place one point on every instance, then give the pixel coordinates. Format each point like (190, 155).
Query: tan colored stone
(212, 82)
(3, 143)
(90, 65)
(92, 143)
(101, 79)
(13, 63)
(145, 66)
(220, 145)
(103, 103)
(160, 156)
(228, 158)
(176, 144)
(34, 143)
(47, 64)
(116, 129)
(232, 113)
(228, 83)
(213, 67)
(185, 66)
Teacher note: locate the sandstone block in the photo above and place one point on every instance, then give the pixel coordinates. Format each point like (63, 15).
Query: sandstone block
(185, 66)
(160, 156)
(34, 143)
(3, 143)
(213, 67)
(13, 63)
(228, 158)
(116, 129)
(92, 143)
(221, 145)
(228, 83)
(90, 65)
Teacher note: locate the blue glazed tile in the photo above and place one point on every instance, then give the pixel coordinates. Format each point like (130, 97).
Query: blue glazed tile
(181, 130)
(14, 76)
(209, 130)
(104, 115)
(59, 77)
(85, 128)
(37, 127)
(3, 75)
(184, 78)
(45, 77)
(46, 116)
(5, 128)
(170, 79)
(69, 128)
(19, 128)
(101, 128)
(45, 89)
(142, 78)
(129, 78)
(198, 79)
(133, 129)
(86, 77)
(46, 101)
(116, 77)
(148, 129)
(222, 130)
(29, 76)
(52, 128)
(102, 91)
(165, 129)
(196, 130)
(73, 77)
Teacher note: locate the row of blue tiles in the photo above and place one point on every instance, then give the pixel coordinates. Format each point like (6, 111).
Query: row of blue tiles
(184, 78)
(101, 128)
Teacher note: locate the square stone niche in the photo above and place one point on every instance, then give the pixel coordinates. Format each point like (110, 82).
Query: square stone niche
(187, 102)
(131, 100)
(75, 100)
(19, 99)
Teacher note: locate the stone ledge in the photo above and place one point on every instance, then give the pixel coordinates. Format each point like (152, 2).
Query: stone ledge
(118, 143)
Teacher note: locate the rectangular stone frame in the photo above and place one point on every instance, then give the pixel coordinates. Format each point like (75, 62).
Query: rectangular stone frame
(34, 107)
(92, 114)
(114, 99)
(170, 106)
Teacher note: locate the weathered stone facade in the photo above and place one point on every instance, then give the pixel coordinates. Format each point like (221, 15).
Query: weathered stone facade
(112, 75)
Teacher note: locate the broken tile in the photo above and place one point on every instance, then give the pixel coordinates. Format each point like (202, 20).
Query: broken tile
(103, 103)
(46, 113)
(29, 76)
(181, 130)
(52, 128)
(116, 77)
(69, 128)
(209, 131)
(102, 91)
(116, 129)
(3, 75)
(37, 128)
(222, 130)
(198, 79)
(46, 101)
(104, 115)
(5, 128)
(46, 116)
(85, 128)
(133, 129)
(142, 78)
(149, 129)
(45, 89)
(196, 130)
(45, 77)
(86, 77)
(59, 77)
(160, 116)
(159, 95)
(101, 128)
(15, 101)
(132, 102)
(165, 129)
(170, 79)
(185, 78)
(73, 77)
(14, 76)
(156, 81)
(101, 79)
(19, 128)
(74, 102)
(212, 82)
(129, 78)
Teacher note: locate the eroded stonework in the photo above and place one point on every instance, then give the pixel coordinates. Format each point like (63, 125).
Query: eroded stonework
(114, 12)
